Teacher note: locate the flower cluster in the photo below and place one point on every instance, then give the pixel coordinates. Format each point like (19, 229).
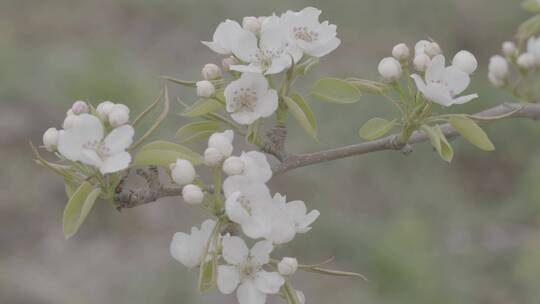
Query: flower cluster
(268, 220)
(96, 137)
(263, 46)
(516, 68)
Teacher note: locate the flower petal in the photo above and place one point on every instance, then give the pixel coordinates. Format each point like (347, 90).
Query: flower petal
(90, 157)
(256, 166)
(456, 80)
(464, 99)
(235, 210)
(248, 293)
(435, 69)
(235, 250)
(267, 104)
(119, 139)
(115, 163)
(268, 282)
(245, 46)
(261, 252)
(228, 279)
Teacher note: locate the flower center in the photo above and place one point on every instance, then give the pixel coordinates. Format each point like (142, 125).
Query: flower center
(248, 269)
(102, 151)
(245, 203)
(244, 100)
(444, 85)
(303, 33)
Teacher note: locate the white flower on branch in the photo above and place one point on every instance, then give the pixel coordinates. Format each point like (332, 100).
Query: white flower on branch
(85, 142)
(270, 54)
(50, 139)
(242, 194)
(498, 70)
(253, 24)
(298, 212)
(533, 47)
(222, 142)
(401, 51)
(428, 48)
(287, 266)
(245, 271)
(465, 61)
(225, 37)
(80, 107)
(212, 157)
(233, 165)
(421, 62)
(442, 84)
(389, 69)
(118, 115)
(211, 72)
(104, 108)
(250, 98)
(205, 89)
(526, 61)
(252, 164)
(188, 248)
(182, 172)
(192, 194)
(304, 31)
(509, 48)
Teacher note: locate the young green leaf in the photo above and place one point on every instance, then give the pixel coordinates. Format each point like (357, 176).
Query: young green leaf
(472, 132)
(376, 128)
(336, 91)
(163, 153)
(303, 114)
(202, 106)
(439, 142)
(529, 28)
(197, 130)
(532, 6)
(369, 86)
(191, 84)
(157, 123)
(78, 207)
(335, 273)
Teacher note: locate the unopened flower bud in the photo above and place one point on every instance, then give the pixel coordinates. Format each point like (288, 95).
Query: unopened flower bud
(509, 48)
(205, 89)
(182, 172)
(233, 166)
(212, 156)
(211, 71)
(50, 139)
(401, 51)
(287, 266)
(80, 107)
(421, 62)
(118, 115)
(227, 62)
(252, 24)
(104, 108)
(433, 49)
(526, 61)
(390, 69)
(465, 61)
(495, 81)
(222, 142)
(70, 121)
(498, 67)
(192, 194)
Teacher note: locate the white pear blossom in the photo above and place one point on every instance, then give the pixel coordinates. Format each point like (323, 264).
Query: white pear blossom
(428, 48)
(80, 107)
(211, 71)
(182, 172)
(401, 51)
(390, 69)
(465, 61)
(205, 89)
(189, 248)
(297, 211)
(118, 115)
(287, 266)
(70, 121)
(498, 67)
(509, 48)
(212, 156)
(222, 141)
(270, 54)
(252, 164)
(421, 62)
(304, 31)
(192, 194)
(227, 62)
(253, 24)
(233, 165)
(50, 139)
(245, 271)
(225, 37)
(242, 194)
(250, 98)
(526, 61)
(104, 108)
(533, 47)
(85, 142)
(442, 84)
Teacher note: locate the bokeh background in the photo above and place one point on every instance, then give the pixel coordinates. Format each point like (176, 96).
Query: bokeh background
(421, 230)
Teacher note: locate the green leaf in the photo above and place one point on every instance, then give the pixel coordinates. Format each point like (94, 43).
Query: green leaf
(198, 130)
(529, 28)
(335, 273)
(368, 86)
(191, 84)
(203, 106)
(472, 132)
(163, 153)
(303, 114)
(439, 142)
(336, 91)
(78, 207)
(157, 123)
(531, 5)
(376, 128)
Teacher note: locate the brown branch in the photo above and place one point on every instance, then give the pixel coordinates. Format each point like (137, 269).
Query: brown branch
(531, 111)
(129, 198)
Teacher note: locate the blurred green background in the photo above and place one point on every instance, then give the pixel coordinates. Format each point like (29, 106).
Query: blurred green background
(421, 230)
